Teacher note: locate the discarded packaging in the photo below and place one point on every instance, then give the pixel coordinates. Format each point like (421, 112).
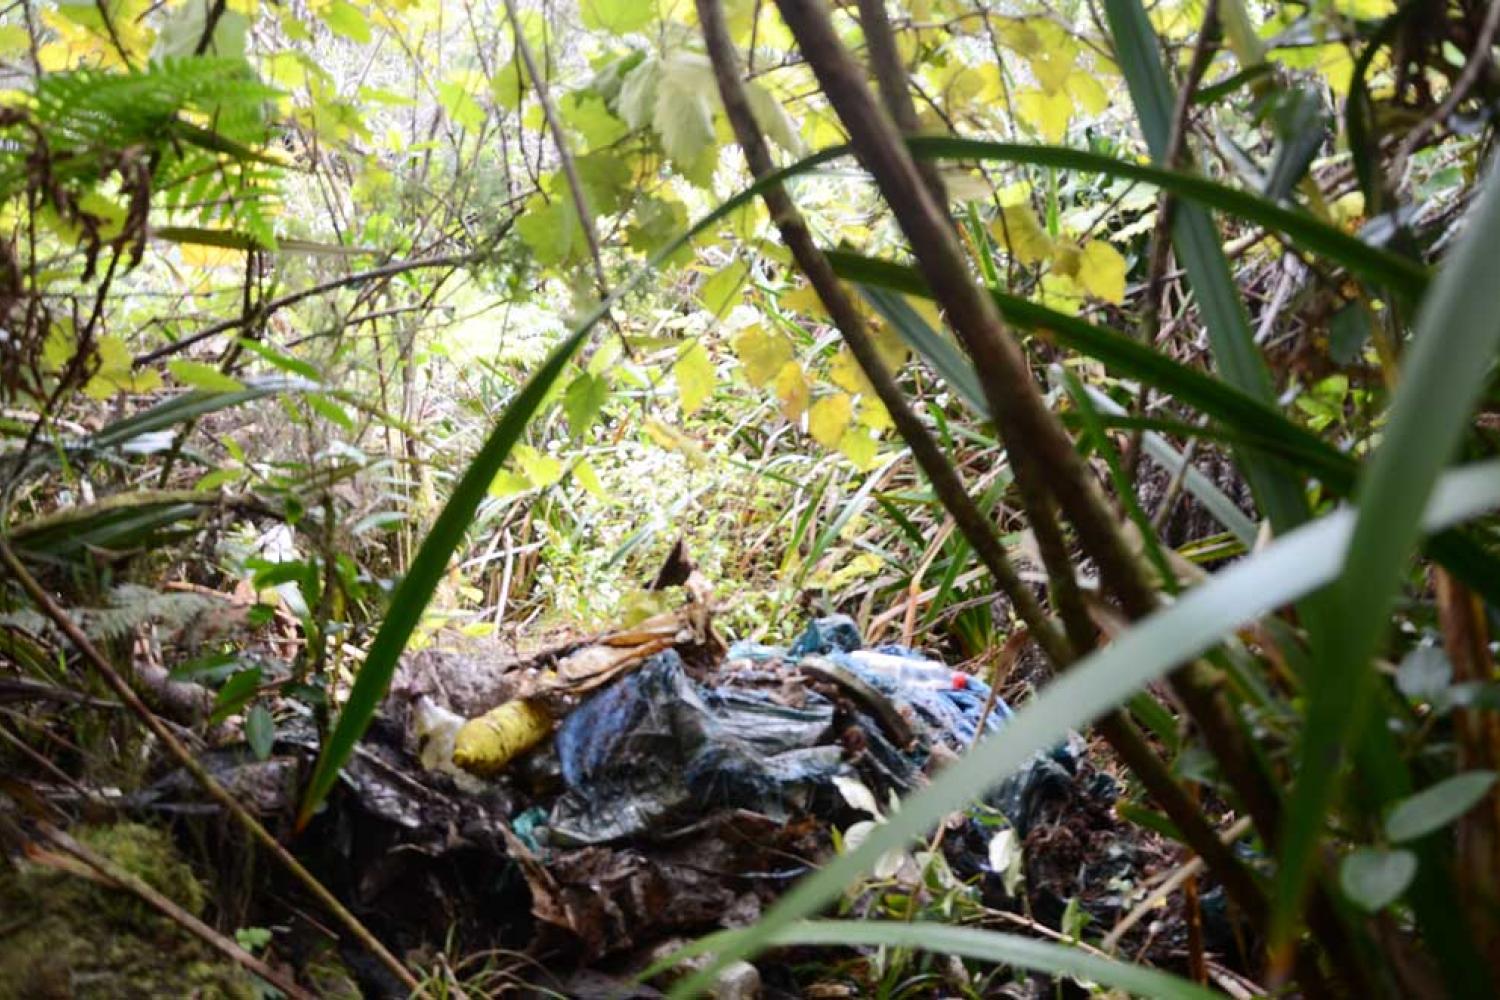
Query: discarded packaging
(486, 745)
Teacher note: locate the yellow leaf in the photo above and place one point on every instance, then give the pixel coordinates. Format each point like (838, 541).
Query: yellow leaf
(1060, 292)
(1101, 271)
(694, 372)
(829, 418)
(1046, 113)
(873, 414)
(1018, 230)
(1087, 92)
(1066, 259)
(791, 389)
(762, 353)
(803, 300)
(859, 447)
(844, 371)
(669, 437)
(889, 346)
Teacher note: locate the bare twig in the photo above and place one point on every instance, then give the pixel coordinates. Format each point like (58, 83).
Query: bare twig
(206, 781)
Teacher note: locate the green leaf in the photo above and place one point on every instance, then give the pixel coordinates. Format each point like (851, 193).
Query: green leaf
(686, 96)
(1285, 571)
(586, 112)
(606, 181)
(582, 401)
(616, 16)
(722, 292)
(1374, 879)
(235, 693)
(260, 731)
(347, 21)
(1434, 808)
(198, 375)
(695, 375)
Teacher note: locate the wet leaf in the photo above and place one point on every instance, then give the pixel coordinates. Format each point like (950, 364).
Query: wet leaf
(1373, 879)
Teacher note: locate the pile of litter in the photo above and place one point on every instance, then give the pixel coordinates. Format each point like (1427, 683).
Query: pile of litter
(596, 802)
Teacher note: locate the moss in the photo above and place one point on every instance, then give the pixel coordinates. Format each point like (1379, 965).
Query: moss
(65, 936)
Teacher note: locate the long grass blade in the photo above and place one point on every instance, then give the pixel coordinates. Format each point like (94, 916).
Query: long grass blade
(993, 946)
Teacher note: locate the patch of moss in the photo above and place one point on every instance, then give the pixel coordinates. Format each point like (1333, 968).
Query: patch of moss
(64, 936)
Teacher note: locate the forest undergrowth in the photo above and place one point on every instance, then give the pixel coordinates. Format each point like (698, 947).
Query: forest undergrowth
(367, 365)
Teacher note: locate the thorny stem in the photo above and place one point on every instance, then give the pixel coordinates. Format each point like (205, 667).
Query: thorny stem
(1126, 739)
(206, 781)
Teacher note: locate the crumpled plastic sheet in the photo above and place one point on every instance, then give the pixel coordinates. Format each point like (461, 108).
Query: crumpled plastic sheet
(656, 749)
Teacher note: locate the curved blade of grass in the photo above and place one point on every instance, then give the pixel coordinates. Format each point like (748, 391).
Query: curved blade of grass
(1451, 355)
(993, 946)
(1287, 570)
(416, 588)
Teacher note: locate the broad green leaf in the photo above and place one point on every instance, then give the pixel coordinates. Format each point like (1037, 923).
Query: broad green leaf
(616, 16)
(725, 289)
(636, 103)
(346, 21)
(1299, 562)
(197, 375)
(260, 731)
(686, 96)
(773, 119)
(551, 231)
(606, 181)
(509, 483)
(828, 419)
(694, 374)
(456, 95)
(1374, 879)
(540, 469)
(1434, 808)
(582, 401)
(589, 479)
(587, 114)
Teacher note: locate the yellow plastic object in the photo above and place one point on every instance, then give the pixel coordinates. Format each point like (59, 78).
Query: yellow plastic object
(487, 744)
